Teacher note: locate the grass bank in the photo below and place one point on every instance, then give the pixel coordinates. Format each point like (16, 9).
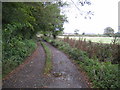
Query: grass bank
(48, 62)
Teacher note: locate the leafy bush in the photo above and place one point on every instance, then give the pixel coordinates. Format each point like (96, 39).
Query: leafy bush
(15, 52)
(101, 74)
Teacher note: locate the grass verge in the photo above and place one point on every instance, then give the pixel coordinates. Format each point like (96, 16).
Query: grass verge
(48, 62)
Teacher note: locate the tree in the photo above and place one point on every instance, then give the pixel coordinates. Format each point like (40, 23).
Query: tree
(54, 19)
(76, 31)
(20, 23)
(48, 18)
(28, 18)
(117, 34)
(109, 31)
(83, 33)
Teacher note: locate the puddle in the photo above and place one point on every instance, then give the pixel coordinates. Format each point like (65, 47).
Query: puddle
(59, 74)
(62, 76)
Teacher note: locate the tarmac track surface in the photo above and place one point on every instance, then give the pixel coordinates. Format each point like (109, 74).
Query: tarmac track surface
(30, 75)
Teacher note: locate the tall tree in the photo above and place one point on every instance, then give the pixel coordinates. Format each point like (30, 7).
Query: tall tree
(109, 31)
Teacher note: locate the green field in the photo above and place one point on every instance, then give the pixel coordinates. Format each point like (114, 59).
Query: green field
(94, 39)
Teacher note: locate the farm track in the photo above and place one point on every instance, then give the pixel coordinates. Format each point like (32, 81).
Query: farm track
(31, 73)
(63, 75)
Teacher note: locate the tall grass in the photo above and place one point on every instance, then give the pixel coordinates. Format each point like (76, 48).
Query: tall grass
(103, 52)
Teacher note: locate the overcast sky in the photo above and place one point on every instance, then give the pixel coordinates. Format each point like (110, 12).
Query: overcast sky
(105, 15)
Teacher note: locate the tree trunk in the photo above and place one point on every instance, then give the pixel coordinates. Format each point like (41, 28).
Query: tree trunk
(54, 36)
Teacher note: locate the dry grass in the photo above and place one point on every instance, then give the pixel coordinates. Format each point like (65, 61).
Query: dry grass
(103, 52)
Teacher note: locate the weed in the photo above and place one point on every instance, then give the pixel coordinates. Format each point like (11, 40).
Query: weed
(104, 52)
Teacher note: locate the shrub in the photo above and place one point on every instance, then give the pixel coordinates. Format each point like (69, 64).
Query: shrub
(15, 52)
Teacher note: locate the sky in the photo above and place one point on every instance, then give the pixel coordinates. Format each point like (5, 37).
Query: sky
(105, 15)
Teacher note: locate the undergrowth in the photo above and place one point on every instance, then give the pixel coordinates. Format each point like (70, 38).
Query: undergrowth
(101, 74)
(15, 53)
(103, 52)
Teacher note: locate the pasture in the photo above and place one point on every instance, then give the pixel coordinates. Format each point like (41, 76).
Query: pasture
(106, 40)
